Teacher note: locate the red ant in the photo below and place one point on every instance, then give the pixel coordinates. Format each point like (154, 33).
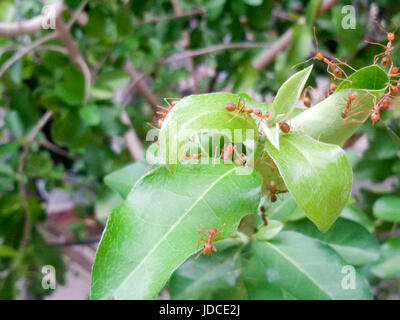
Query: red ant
(229, 151)
(208, 245)
(264, 215)
(259, 114)
(394, 73)
(349, 101)
(332, 87)
(273, 191)
(285, 128)
(306, 100)
(335, 71)
(167, 110)
(374, 114)
(240, 107)
(386, 57)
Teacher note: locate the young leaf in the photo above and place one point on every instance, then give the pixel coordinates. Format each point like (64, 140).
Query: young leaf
(269, 231)
(318, 176)
(324, 121)
(204, 113)
(306, 268)
(288, 96)
(349, 239)
(272, 133)
(155, 229)
(387, 208)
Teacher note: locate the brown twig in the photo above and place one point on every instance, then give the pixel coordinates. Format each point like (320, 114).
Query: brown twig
(132, 141)
(211, 49)
(21, 183)
(66, 39)
(142, 87)
(195, 12)
(24, 51)
(56, 149)
(14, 29)
(186, 37)
(38, 43)
(263, 60)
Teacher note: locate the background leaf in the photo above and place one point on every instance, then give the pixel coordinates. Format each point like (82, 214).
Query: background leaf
(294, 262)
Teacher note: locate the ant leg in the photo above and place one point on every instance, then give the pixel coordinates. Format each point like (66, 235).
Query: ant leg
(376, 43)
(198, 242)
(214, 249)
(340, 62)
(300, 63)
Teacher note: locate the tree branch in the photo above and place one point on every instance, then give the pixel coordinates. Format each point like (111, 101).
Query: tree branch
(211, 49)
(13, 29)
(21, 183)
(263, 60)
(195, 12)
(142, 87)
(186, 37)
(38, 43)
(76, 57)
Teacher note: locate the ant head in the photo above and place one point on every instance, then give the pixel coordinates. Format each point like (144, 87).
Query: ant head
(337, 72)
(333, 86)
(307, 102)
(319, 56)
(258, 113)
(375, 116)
(230, 107)
(385, 61)
(390, 36)
(385, 102)
(212, 231)
(353, 96)
(395, 70)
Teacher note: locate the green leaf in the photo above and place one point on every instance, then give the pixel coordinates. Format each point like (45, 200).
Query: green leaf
(7, 251)
(318, 176)
(106, 200)
(195, 279)
(389, 264)
(203, 113)
(155, 229)
(272, 133)
(258, 286)
(349, 239)
(387, 208)
(352, 213)
(122, 180)
(306, 268)
(285, 209)
(288, 96)
(90, 113)
(269, 231)
(324, 121)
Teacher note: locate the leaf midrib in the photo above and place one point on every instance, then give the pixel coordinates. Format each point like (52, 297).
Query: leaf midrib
(172, 228)
(299, 267)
